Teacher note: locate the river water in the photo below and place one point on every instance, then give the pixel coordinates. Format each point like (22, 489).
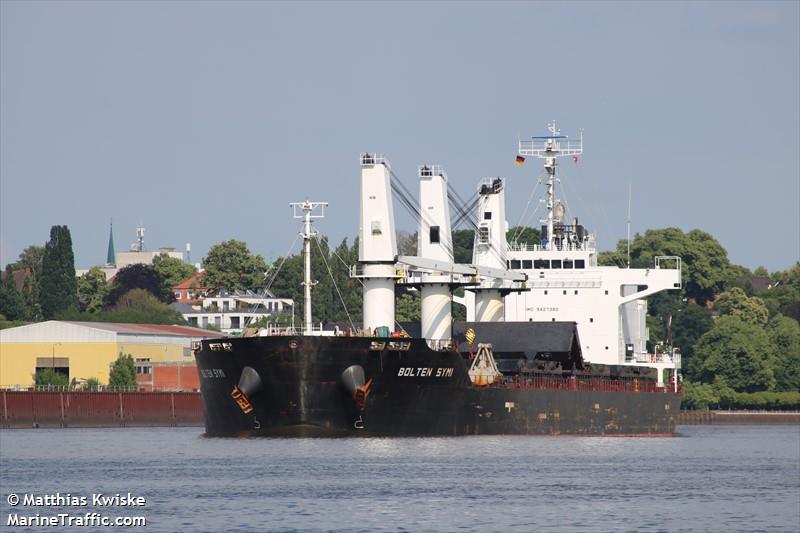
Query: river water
(708, 478)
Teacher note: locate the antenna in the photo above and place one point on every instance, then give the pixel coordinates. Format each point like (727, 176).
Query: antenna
(629, 224)
(305, 210)
(138, 246)
(550, 147)
(188, 253)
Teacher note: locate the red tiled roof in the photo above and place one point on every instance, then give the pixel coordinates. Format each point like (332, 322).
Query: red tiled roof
(195, 280)
(19, 277)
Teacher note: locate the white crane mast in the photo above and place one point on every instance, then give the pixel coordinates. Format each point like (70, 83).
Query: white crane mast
(377, 244)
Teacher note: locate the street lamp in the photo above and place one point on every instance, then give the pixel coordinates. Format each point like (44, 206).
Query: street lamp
(53, 363)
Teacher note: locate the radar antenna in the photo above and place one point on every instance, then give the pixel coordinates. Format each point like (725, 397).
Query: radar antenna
(550, 147)
(305, 210)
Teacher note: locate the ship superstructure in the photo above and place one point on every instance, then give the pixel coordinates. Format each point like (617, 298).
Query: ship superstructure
(566, 283)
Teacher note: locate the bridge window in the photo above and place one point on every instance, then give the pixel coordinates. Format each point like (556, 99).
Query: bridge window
(567, 263)
(487, 215)
(515, 264)
(555, 263)
(580, 263)
(541, 264)
(527, 264)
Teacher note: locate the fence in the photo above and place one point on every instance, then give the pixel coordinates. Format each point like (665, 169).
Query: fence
(584, 384)
(33, 409)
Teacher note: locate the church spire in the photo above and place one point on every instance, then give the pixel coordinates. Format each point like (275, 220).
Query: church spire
(111, 259)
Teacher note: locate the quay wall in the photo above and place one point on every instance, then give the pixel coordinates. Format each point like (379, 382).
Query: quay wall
(40, 409)
(693, 418)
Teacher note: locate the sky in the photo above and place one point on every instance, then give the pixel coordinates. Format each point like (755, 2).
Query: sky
(201, 121)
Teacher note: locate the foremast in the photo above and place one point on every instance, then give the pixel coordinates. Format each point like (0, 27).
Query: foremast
(306, 211)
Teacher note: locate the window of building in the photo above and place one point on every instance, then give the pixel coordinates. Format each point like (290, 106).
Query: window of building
(193, 321)
(434, 234)
(143, 368)
(204, 322)
(235, 322)
(217, 321)
(178, 295)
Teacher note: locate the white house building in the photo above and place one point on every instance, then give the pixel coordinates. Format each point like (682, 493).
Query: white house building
(232, 312)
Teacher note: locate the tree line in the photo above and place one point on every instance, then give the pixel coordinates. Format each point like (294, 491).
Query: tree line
(740, 341)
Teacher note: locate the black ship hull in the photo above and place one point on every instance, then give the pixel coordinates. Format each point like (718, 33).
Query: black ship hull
(407, 390)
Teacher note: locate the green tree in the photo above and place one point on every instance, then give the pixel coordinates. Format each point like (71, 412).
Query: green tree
(406, 243)
(137, 276)
(524, 235)
(735, 302)
(123, 373)
(689, 324)
(706, 268)
(407, 307)
(49, 377)
(785, 335)
(137, 306)
(325, 267)
(761, 271)
(463, 241)
(699, 396)
(59, 286)
(92, 384)
(230, 265)
(92, 290)
(737, 351)
(173, 270)
(783, 296)
(31, 260)
(11, 304)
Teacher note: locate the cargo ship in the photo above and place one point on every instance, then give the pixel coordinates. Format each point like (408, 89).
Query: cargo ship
(554, 344)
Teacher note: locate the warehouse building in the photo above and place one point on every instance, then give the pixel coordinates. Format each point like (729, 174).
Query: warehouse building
(83, 350)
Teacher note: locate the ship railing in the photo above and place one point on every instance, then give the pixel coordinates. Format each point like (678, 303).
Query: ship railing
(440, 345)
(668, 262)
(357, 271)
(277, 330)
(368, 159)
(582, 383)
(566, 247)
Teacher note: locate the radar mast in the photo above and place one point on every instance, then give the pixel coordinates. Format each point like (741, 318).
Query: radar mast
(551, 147)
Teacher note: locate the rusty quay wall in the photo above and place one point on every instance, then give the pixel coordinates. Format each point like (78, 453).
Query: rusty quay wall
(34, 409)
(693, 418)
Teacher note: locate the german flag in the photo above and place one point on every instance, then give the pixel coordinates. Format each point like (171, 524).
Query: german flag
(520, 160)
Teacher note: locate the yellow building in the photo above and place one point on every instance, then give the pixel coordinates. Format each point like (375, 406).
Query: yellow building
(84, 350)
